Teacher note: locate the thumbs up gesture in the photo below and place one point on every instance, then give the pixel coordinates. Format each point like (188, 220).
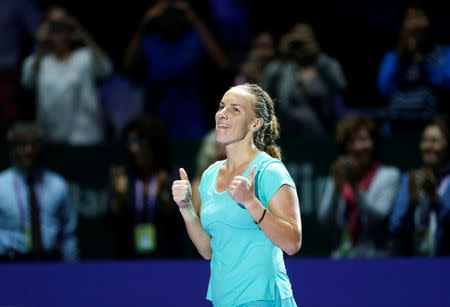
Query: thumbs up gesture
(242, 189)
(181, 190)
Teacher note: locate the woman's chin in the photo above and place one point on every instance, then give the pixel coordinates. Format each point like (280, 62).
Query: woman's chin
(220, 138)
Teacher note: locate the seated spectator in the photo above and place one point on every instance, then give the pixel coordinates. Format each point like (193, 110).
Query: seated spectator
(415, 75)
(37, 221)
(360, 192)
(210, 151)
(140, 208)
(172, 42)
(68, 108)
(420, 221)
(304, 81)
(261, 53)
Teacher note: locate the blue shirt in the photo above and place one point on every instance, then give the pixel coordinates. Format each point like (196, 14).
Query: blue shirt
(402, 217)
(173, 82)
(437, 68)
(58, 219)
(410, 89)
(17, 17)
(245, 265)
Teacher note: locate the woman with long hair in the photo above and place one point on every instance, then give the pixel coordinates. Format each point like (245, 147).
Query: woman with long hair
(249, 212)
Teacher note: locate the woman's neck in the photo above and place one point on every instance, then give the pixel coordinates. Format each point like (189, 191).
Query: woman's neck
(62, 55)
(240, 153)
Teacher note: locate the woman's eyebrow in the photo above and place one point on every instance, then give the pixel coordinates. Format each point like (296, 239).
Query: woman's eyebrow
(233, 105)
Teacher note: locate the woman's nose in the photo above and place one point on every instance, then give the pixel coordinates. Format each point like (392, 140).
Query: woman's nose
(222, 113)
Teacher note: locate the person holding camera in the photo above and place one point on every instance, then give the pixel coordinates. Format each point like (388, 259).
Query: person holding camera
(64, 74)
(171, 43)
(305, 81)
(420, 220)
(415, 77)
(360, 192)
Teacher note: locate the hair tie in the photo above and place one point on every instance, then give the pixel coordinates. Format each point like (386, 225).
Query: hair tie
(270, 143)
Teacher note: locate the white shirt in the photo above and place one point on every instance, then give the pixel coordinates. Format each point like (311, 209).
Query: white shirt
(68, 108)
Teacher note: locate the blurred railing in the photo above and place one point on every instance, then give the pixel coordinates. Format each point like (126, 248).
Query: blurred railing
(308, 159)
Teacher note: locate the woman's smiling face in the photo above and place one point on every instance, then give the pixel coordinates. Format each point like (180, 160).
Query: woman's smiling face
(434, 146)
(235, 116)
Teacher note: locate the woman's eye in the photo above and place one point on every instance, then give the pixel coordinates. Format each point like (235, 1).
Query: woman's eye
(220, 107)
(235, 109)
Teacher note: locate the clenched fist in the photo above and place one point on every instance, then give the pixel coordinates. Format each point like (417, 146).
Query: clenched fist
(242, 189)
(181, 190)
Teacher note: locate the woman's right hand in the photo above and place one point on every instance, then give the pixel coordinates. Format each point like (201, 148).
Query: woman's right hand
(181, 190)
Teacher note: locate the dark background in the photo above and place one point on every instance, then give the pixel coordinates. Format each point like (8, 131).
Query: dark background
(357, 33)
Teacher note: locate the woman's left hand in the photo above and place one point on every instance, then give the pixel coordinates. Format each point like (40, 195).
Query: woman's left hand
(242, 190)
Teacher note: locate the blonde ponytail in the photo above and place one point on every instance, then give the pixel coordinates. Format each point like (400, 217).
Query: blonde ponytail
(264, 139)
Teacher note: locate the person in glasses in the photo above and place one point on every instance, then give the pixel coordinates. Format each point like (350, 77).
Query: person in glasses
(37, 221)
(141, 211)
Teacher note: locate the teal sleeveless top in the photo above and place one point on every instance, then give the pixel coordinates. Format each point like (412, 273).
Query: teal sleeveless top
(245, 265)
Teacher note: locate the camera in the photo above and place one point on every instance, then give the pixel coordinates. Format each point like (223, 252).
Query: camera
(296, 44)
(59, 27)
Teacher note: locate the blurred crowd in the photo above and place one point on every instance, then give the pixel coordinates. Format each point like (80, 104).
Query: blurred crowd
(58, 85)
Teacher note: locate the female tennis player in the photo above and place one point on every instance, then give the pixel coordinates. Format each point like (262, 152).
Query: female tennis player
(250, 210)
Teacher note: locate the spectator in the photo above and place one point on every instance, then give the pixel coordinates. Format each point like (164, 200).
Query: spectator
(210, 151)
(233, 21)
(141, 209)
(261, 53)
(305, 81)
(413, 77)
(114, 91)
(173, 41)
(360, 193)
(18, 19)
(420, 220)
(68, 109)
(36, 219)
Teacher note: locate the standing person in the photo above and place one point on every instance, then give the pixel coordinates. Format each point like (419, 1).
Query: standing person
(415, 78)
(68, 108)
(360, 192)
(306, 81)
(37, 221)
(172, 42)
(141, 209)
(250, 211)
(420, 221)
